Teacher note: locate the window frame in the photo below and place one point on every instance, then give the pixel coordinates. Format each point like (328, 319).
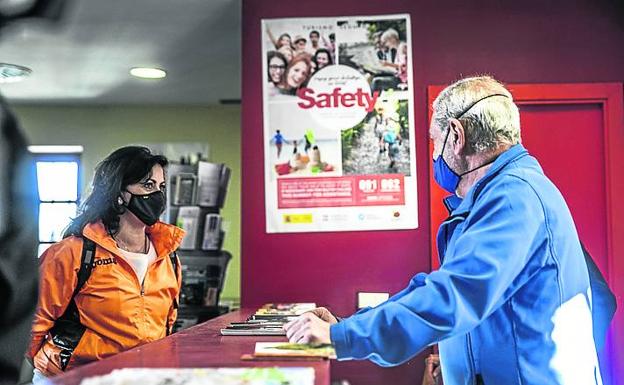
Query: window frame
(52, 157)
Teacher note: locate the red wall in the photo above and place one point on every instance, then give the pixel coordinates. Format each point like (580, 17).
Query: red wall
(517, 42)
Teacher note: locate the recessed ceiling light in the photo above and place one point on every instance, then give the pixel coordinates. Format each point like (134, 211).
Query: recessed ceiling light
(55, 149)
(148, 73)
(11, 73)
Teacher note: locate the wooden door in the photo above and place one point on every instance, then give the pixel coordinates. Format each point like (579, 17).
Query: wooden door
(576, 131)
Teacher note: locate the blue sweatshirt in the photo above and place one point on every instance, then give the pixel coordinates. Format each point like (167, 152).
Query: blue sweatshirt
(510, 301)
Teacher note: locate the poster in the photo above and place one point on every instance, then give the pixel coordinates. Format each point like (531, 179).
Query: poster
(338, 125)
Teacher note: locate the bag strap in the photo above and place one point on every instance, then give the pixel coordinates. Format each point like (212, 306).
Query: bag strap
(173, 257)
(86, 264)
(67, 330)
(174, 263)
(604, 303)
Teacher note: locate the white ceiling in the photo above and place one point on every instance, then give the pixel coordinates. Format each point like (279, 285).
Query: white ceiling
(85, 58)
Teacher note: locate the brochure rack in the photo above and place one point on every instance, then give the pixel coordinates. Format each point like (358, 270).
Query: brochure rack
(195, 196)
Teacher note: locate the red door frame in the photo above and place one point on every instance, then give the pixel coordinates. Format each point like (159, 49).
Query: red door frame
(610, 97)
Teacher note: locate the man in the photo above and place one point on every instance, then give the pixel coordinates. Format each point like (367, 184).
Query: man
(390, 42)
(18, 215)
(509, 303)
(300, 45)
(315, 37)
(18, 246)
(315, 44)
(279, 140)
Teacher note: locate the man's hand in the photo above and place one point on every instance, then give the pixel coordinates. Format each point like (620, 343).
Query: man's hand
(308, 329)
(325, 315)
(433, 373)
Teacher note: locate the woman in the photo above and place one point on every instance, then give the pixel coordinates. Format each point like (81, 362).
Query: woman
(130, 296)
(287, 52)
(276, 67)
(283, 39)
(296, 74)
(322, 58)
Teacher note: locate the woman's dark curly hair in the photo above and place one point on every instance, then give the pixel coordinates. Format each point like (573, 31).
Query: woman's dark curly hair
(125, 166)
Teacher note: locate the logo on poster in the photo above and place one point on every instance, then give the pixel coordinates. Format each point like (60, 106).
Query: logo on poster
(338, 97)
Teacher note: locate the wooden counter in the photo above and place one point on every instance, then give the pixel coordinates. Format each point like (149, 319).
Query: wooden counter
(201, 346)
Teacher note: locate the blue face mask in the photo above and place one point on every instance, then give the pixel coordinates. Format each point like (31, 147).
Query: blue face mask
(443, 174)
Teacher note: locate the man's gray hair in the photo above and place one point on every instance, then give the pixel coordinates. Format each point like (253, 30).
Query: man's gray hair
(389, 33)
(490, 123)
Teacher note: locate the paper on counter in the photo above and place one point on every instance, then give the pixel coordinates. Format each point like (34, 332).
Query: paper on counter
(205, 376)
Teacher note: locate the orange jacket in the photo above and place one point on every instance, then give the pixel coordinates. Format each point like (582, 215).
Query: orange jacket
(118, 313)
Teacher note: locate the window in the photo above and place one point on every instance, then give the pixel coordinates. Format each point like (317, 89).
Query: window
(57, 182)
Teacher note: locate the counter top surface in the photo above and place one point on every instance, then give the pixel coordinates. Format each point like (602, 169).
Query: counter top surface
(201, 346)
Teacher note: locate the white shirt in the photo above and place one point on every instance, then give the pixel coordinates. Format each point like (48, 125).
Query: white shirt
(140, 261)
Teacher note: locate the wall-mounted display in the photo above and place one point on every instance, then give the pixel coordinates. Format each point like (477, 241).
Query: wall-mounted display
(339, 151)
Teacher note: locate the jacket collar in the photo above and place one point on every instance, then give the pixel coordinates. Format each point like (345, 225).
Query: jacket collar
(165, 237)
(456, 205)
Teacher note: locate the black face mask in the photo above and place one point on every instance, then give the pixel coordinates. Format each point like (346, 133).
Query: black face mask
(147, 207)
